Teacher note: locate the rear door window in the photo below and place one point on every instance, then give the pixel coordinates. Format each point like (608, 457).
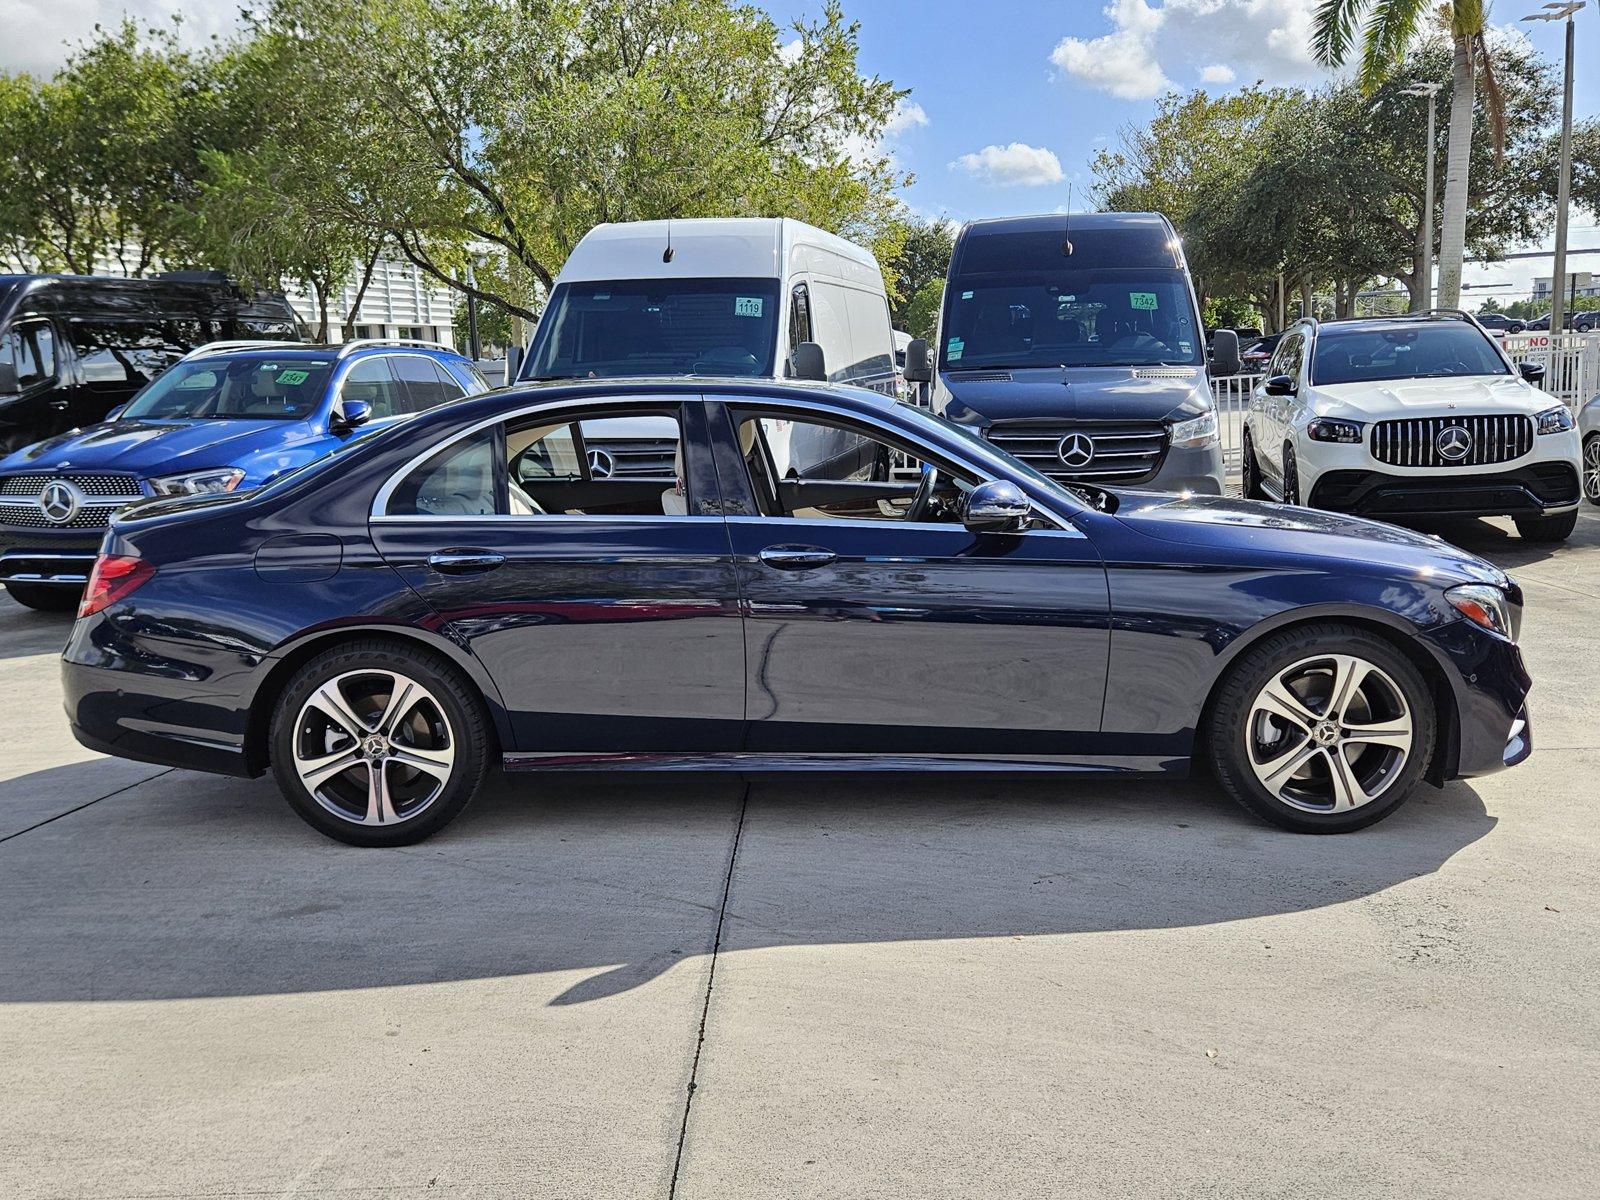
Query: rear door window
(425, 382)
(372, 381)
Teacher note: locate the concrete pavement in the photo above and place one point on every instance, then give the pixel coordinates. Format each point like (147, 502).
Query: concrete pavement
(918, 988)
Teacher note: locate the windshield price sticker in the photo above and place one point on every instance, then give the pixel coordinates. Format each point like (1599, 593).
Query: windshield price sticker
(954, 348)
(1145, 301)
(747, 306)
(291, 377)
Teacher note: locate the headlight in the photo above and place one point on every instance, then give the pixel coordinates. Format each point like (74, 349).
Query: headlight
(1325, 429)
(1197, 433)
(196, 483)
(1485, 605)
(1554, 420)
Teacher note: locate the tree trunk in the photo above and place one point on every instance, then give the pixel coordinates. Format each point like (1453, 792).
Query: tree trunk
(1307, 305)
(1453, 223)
(348, 332)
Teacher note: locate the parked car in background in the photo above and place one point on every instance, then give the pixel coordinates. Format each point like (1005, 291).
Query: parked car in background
(1589, 432)
(73, 347)
(1074, 342)
(747, 297)
(1585, 320)
(226, 418)
(1254, 356)
(461, 595)
(1414, 416)
(1500, 323)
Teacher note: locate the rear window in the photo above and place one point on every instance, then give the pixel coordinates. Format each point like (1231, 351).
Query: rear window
(1411, 351)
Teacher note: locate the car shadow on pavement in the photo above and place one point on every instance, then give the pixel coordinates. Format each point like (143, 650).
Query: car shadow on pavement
(191, 886)
(1500, 543)
(28, 633)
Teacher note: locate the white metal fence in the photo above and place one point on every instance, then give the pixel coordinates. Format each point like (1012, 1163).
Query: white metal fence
(1571, 363)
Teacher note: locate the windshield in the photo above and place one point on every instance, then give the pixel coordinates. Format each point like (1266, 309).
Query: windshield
(253, 387)
(655, 327)
(1065, 318)
(1412, 351)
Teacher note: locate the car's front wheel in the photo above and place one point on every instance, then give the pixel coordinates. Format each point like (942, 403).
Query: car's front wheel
(1591, 468)
(1321, 729)
(1249, 469)
(1291, 476)
(1557, 528)
(44, 597)
(379, 744)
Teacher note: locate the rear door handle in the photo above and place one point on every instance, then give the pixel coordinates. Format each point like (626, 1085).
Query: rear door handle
(797, 558)
(465, 562)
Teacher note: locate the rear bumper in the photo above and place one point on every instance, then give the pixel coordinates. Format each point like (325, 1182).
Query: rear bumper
(1533, 490)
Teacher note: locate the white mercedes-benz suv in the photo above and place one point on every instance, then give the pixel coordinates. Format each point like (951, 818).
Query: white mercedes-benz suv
(1414, 416)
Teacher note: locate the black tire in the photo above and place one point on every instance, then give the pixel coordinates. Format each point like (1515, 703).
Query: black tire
(448, 698)
(1291, 476)
(1591, 468)
(1249, 470)
(45, 598)
(1229, 725)
(1557, 528)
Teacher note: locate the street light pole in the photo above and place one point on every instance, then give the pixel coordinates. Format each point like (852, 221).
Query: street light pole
(1431, 91)
(1562, 10)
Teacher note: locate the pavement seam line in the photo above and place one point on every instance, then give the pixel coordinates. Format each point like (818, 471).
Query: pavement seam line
(705, 1007)
(86, 804)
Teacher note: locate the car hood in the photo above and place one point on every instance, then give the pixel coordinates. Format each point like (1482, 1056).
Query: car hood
(978, 397)
(148, 448)
(1454, 396)
(1256, 527)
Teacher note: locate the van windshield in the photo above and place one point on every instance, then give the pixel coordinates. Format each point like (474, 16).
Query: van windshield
(255, 387)
(657, 327)
(1067, 318)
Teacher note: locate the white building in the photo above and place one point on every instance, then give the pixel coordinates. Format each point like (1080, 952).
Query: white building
(1587, 286)
(400, 302)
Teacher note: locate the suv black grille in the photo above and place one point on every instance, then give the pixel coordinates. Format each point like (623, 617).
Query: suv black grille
(633, 458)
(1124, 451)
(1415, 442)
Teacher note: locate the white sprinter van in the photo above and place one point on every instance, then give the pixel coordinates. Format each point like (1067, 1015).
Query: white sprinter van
(756, 297)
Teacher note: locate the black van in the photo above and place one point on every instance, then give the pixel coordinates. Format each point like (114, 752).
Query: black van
(73, 347)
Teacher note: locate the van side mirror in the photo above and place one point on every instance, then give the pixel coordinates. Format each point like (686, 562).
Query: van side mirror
(1533, 372)
(809, 362)
(1225, 352)
(919, 362)
(998, 506)
(1280, 385)
(8, 379)
(352, 413)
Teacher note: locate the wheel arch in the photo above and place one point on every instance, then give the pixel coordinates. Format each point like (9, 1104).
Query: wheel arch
(1394, 630)
(295, 655)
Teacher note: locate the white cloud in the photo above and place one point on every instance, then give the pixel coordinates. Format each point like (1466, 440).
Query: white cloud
(907, 115)
(1016, 165)
(39, 33)
(1153, 41)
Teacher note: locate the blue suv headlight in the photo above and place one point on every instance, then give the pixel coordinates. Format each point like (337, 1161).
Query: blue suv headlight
(1554, 420)
(195, 483)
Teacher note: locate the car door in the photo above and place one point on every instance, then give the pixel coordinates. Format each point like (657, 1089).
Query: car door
(605, 609)
(1269, 447)
(870, 632)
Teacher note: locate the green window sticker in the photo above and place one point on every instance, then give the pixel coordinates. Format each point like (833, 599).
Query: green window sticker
(747, 306)
(1142, 300)
(954, 348)
(291, 377)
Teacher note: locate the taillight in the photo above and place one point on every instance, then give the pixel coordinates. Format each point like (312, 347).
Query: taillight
(114, 576)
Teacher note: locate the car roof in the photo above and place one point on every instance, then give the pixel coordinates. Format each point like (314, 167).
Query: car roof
(1376, 324)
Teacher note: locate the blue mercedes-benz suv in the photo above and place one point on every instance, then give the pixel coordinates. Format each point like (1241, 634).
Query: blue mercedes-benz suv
(225, 418)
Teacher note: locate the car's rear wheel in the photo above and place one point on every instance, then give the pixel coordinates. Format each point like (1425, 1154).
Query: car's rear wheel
(1249, 469)
(378, 744)
(1557, 528)
(1322, 729)
(1591, 468)
(43, 597)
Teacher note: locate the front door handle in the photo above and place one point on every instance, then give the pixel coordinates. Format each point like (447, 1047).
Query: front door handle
(465, 562)
(797, 558)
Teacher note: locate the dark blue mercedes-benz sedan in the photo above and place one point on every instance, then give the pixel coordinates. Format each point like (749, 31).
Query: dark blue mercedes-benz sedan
(461, 592)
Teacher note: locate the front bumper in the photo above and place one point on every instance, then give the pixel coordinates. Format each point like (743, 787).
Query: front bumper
(1189, 469)
(1534, 490)
(1489, 686)
(61, 557)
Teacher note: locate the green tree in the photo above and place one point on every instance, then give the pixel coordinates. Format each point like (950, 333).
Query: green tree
(921, 315)
(520, 125)
(1387, 29)
(921, 257)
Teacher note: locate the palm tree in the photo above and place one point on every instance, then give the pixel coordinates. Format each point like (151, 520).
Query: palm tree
(1389, 28)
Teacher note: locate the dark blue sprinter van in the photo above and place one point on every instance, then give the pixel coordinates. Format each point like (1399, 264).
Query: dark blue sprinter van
(1074, 343)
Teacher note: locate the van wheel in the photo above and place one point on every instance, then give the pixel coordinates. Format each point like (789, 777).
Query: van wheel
(376, 744)
(44, 598)
(1249, 470)
(1321, 729)
(1547, 529)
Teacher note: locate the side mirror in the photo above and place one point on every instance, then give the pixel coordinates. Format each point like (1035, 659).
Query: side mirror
(1280, 385)
(115, 412)
(809, 362)
(919, 361)
(8, 379)
(1225, 352)
(998, 506)
(1533, 372)
(352, 413)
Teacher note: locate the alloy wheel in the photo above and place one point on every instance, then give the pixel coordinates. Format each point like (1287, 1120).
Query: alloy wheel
(373, 747)
(1591, 468)
(1329, 734)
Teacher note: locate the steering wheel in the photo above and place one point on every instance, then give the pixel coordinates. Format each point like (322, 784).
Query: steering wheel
(1453, 367)
(922, 500)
